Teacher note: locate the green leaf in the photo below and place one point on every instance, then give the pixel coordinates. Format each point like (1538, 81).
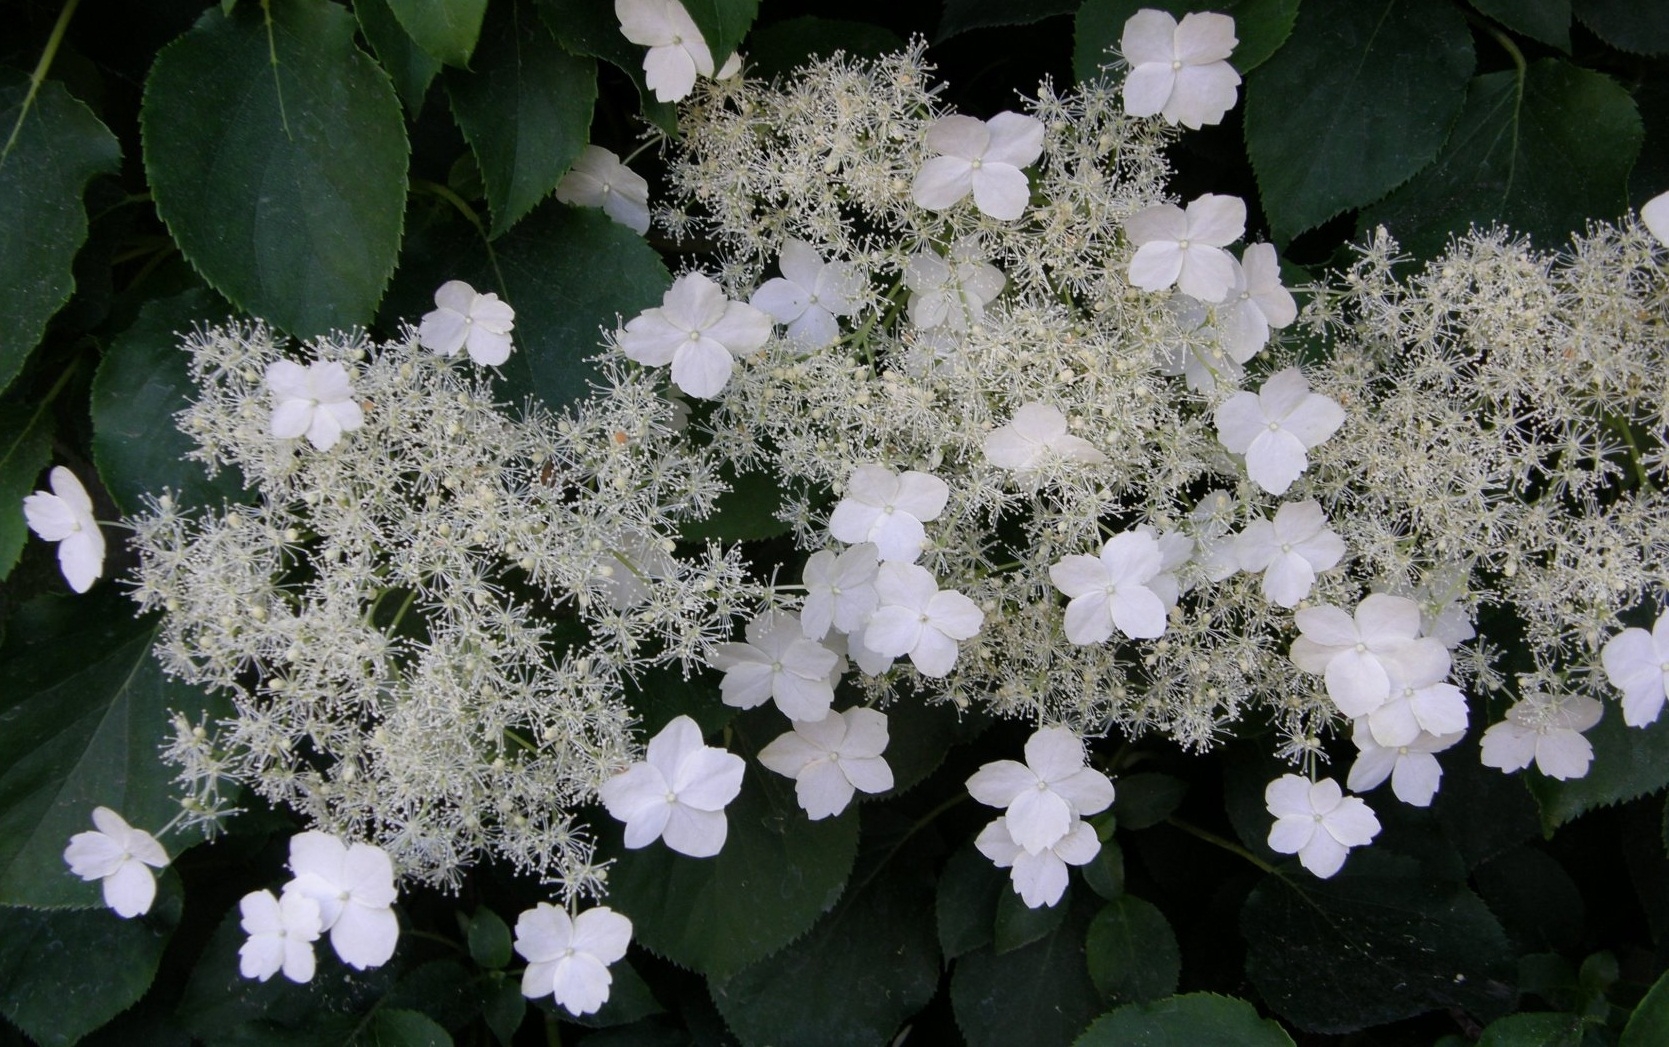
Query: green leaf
(276, 153)
(963, 15)
(723, 24)
(1133, 955)
(25, 453)
(143, 381)
(1542, 156)
(400, 1028)
(920, 736)
(1649, 1025)
(489, 940)
(1536, 1029)
(60, 145)
(446, 29)
(1019, 924)
(1262, 26)
(966, 903)
(1105, 872)
(630, 999)
(865, 967)
(525, 110)
(746, 512)
(1537, 902)
(1358, 100)
(1627, 25)
(1628, 762)
(83, 706)
(1546, 21)
(1040, 995)
(1481, 811)
(588, 27)
(1144, 800)
(1196, 1019)
(410, 67)
(778, 49)
(1339, 955)
(778, 872)
(65, 973)
(503, 1007)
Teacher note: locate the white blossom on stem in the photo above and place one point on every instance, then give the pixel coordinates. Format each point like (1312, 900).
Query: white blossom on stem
(951, 292)
(1411, 766)
(1039, 877)
(1256, 304)
(917, 618)
(1654, 215)
(1427, 704)
(1121, 589)
(809, 294)
(1637, 663)
(1546, 730)
(831, 758)
(677, 792)
(1036, 436)
(599, 179)
(1179, 71)
(982, 157)
(65, 516)
(479, 324)
(1045, 796)
(1360, 654)
(353, 885)
(568, 957)
(677, 51)
(121, 857)
(1185, 248)
(840, 589)
(316, 401)
(778, 663)
(1317, 822)
(888, 509)
(1276, 426)
(699, 332)
(281, 932)
(1289, 550)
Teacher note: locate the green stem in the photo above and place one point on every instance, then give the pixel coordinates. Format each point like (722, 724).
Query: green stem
(38, 77)
(462, 207)
(272, 58)
(1227, 845)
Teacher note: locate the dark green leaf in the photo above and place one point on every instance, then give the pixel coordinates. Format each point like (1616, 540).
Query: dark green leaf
(1535, 1029)
(1339, 955)
(1628, 762)
(1144, 800)
(778, 49)
(588, 27)
(1481, 811)
(446, 29)
(629, 1000)
(1536, 900)
(1629, 25)
(503, 1009)
(27, 432)
(438, 989)
(1547, 21)
(1133, 955)
(1262, 26)
(864, 968)
(919, 737)
(723, 24)
(963, 15)
(1649, 1025)
(1105, 872)
(276, 153)
(399, 1028)
(489, 940)
(525, 109)
(1040, 995)
(64, 973)
(1358, 100)
(410, 67)
(60, 144)
(142, 383)
(746, 512)
(1195, 1019)
(1019, 924)
(1543, 156)
(966, 902)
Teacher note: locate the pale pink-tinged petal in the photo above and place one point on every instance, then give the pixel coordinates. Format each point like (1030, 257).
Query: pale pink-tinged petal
(1161, 223)
(1373, 765)
(1291, 835)
(870, 774)
(1394, 724)
(1328, 626)
(633, 795)
(866, 733)
(1416, 778)
(997, 845)
(487, 348)
(648, 823)
(1508, 747)
(1351, 823)
(1323, 855)
(893, 631)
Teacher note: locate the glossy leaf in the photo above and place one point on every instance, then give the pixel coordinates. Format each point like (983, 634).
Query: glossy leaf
(489, 940)
(1628, 762)
(410, 67)
(1018, 924)
(1261, 26)
(27, 448)
(1628, 25)
(1133, 955)
(290, 201)
(1196, 1019)
(1547, 21)
(746, 512)
(446, 29)
(1536, 1029)
(1144, 800)
(1650, 1022)
(723, 23)
(394, 1027)
(781, 47)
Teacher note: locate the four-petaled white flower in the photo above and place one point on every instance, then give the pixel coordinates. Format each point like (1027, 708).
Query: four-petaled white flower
(1411, 766)
(951, 292)
(1654, 215)
(832, 758)
(1276, 426)
(1256, 303)
(888, 508)
(281, 935)
(1290, 550)
(353, 885)
(599, 179)
(1547, 730)
(677, 51)
(983, 157)
(1044, 797)
(840, 590)
(1039, 878)
(568, 957)
(699, 332)
(1123, 588)
(917, 618)
(1186, 248)
(677, 792)
(118, 854)
(479, 324)
(1360, 655)
(777, 664)
(809, 294)
(1317, 822)
(1637, 663)
(1427, 704)
(1037, 435)
(65, 516)
(316, 401)
(1179, 72)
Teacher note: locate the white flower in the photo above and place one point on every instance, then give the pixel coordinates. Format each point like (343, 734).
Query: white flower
(840, 590)
(1637, 663)
(479, 324)
(831, 758)
(316, 401)
(1179, 71)
(809, 294)
(1120, 589)
(1186, 248)
(952, 293)
(870, 661)
(599, 179)
(1546, 730)
(281, 935)
(1039, 877)
(66, 516)
(1203, 360)
(777, 664)
(1290, 550)
(1654, 214)
(1044, 797)
(1317, 822)
(697, 330)
(354, 888)
(1276, 426)
(917, 618)
(118, 854)
(568, 957)
(1413, 770)
(624, 577)
(677, 52)
(1360, 655)
(678, 791)
(1215, 546)
(1256, 303)
(1037, 435)
(888, 508)
(1426, 704)
(983, 157)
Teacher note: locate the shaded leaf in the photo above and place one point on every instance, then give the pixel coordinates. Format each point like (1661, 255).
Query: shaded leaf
(1144, 800)
(1261, 26)
(1628, 25)
(503, 1007)
(723, 24)
(1105, 872)
(1196, 1019)
(24, 455)
(410, 67)
(966, 902)
(587, 27)
(276, 153)
(446, 29)
(780, 48)
(1019, 924)
(1628, 762)
(1534, 1029)
(1547, 21)
(489, 940)
(1481, 811)
(1537, 902)
(1040, 995)
(1649, 1024)
(392, 1027)
(746, 512)
(1133, 955)
(962, 15)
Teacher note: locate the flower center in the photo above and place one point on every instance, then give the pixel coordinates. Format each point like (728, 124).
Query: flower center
(1176, 65)
(1361, 648)
(1182, 244)
(1274, 426)
(671, 797)
(1286, 547)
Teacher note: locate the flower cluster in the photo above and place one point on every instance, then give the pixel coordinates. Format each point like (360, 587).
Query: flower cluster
(345, 890)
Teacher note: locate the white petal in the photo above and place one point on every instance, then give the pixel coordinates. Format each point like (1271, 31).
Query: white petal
(1039, 879)
(1156, 265)
(1275, 459)
(997, 784)
(941, 182)
(1655, 216)
(364, 936)
(783, 299)
(1148, 87)
(1001, 191)
(822, 789)
(130, 889)
(1149, 37)
(603, 933)
(1416, 779)
(698, 834)
(959, 136)
(701, 368)
(580, 983)
(1016, 139)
